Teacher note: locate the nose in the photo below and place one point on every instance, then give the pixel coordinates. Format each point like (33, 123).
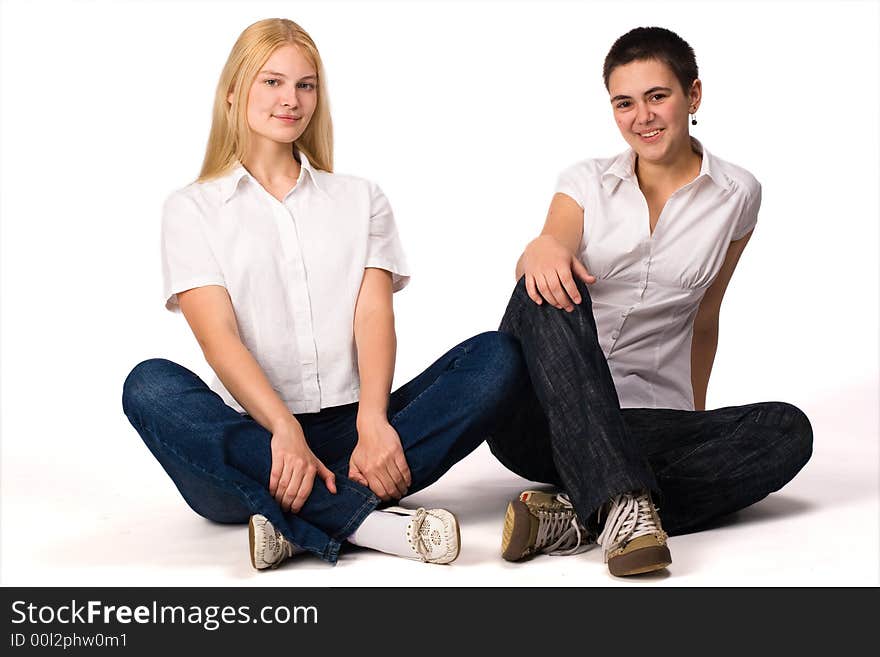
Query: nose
(644, 115)
(290, 100)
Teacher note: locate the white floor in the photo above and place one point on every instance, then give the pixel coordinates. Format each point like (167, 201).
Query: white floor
(69, 519)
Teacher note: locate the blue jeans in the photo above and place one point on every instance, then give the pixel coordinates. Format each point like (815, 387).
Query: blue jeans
(567, 429)
(220, 460)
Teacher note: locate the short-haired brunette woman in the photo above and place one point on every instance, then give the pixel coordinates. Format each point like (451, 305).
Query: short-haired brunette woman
(284, 272)
(615, 412)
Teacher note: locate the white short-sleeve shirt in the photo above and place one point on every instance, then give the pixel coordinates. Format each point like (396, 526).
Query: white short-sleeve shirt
(648, 287)
(293, 270)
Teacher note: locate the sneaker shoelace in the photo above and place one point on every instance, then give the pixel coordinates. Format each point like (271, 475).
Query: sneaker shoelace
(629, 516)
(559, 532)
(416, 532)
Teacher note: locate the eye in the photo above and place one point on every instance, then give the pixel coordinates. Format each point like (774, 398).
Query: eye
(658, 96)
(271, 80)
(305, 85)
(622, 104)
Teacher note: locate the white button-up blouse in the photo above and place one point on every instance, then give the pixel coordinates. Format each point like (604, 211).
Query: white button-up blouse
(293, 269)
(648, 287)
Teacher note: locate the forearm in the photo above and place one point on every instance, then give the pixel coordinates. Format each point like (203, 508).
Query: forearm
(377, 349)
(243, 377)
(703, 347)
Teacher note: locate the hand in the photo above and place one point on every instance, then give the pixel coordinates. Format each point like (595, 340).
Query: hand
(294, 467)
(548, 267)
(378, 461)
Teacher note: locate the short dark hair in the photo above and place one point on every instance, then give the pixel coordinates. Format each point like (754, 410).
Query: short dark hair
(654, 43)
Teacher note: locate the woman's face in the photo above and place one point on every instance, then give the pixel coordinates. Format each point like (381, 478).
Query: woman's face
(651, 109)
(283, 96)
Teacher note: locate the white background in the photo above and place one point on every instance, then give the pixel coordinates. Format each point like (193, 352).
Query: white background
(464, 113)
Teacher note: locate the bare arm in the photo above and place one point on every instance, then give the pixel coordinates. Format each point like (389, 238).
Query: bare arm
(377, 460)
(209, 313)
(549, 260)
(704, 344)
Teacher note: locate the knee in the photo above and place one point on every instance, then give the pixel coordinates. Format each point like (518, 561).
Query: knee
(501, 360)
(793, 434)
(800, 434)
(146, 383)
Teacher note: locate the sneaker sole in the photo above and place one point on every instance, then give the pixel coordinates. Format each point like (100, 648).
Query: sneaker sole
(252, 540)
(645, 560)
(515, 536)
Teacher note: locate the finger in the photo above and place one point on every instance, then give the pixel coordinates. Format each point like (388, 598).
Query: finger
(329, 478)
(305, 489)
(388, 481)
(532, 290)
(403, 468)
(378, 488)
(547, 293)
(291, 490)
(581, 271)
(355, 475)
(397, 479)
(283, 480)
(275, 474)
(570, 286)
(554, 279)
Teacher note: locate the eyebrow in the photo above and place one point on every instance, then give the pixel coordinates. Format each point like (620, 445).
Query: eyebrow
(281, 75)
(647, 93)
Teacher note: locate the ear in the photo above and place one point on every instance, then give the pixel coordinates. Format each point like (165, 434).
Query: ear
(229, 98)
(696, 94)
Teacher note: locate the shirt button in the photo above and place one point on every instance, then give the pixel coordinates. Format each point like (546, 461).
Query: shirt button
(614, 335)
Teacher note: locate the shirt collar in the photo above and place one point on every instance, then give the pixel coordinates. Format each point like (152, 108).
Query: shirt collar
(230, 182)
(623, 168)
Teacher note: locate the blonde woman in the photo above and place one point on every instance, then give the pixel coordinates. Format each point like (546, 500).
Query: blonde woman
(285, 271)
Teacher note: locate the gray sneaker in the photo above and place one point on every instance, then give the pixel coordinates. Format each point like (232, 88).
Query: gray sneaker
(268, 547)
(632, 539)
(538, 522)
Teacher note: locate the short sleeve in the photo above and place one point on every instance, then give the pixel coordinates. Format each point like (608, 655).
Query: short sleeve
(749, 216)
(573, 182)
(384, 249)
(187, 258)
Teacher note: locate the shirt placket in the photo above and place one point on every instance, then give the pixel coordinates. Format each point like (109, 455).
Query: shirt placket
(301, 303)
(646, 250)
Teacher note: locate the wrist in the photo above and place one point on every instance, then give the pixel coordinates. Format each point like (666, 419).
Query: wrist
(368, 418)
(284, 424)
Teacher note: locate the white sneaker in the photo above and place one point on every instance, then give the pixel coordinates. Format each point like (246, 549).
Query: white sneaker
(268, 547)
(432, 534)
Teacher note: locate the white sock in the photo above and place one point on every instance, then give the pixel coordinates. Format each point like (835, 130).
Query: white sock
(384, 531)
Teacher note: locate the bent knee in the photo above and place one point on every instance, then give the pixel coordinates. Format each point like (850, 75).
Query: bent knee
(793, 432)
(146, 382)
(500, 364)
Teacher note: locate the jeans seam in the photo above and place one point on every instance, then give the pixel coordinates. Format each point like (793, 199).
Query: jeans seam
(370, 503)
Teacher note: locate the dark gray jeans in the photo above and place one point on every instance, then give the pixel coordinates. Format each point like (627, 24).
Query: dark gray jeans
(569, 430)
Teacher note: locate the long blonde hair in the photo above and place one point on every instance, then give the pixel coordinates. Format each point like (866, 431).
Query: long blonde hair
(229, 139)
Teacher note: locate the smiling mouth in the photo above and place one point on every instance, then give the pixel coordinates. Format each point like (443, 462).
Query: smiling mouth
(648, 135)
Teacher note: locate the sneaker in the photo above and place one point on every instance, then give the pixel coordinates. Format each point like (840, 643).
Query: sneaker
(268, 547)
(542, 522)
(632, 539)
(433, 534)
